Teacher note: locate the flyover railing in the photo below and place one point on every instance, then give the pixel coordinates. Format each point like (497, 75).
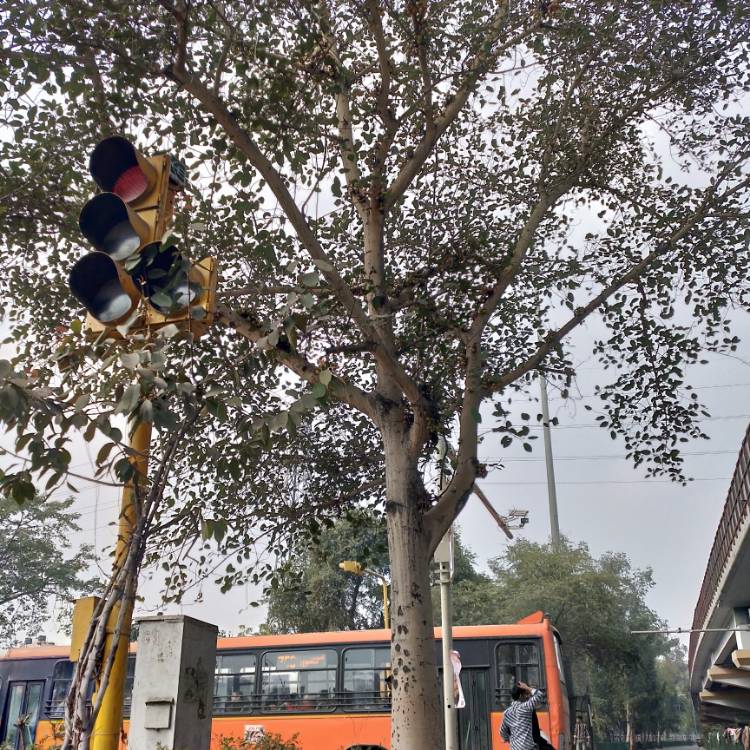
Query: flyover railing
(735, 510)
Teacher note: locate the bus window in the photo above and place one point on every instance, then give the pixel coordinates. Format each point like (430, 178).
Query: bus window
(558, 656)
(22, 714)
(127, 695)
(517, 661)
(298, 680)
(367, 678)
(61, 677)
(234, 684)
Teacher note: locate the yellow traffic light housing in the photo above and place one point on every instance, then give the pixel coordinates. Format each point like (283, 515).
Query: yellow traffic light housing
(118, 167)
(133, 280)
(104, 289)
(112, 227)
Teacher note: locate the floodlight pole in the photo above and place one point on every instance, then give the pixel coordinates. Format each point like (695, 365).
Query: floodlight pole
(551, 488)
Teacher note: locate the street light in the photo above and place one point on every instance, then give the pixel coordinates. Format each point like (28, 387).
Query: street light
(352, 566)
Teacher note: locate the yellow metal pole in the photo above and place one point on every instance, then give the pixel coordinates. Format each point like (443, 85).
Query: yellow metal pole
(108, 723)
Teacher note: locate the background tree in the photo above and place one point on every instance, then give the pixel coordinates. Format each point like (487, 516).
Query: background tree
(397, 193)
(595, 603)
(40, 571)
(311, 594)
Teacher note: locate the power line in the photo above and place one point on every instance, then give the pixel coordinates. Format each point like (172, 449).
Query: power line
(576, 396)
(589, 425)
(622, 481)
(600, 457)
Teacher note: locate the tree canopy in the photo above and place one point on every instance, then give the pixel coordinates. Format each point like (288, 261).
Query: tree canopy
(310, 593)
(40, 569)
(415, 206)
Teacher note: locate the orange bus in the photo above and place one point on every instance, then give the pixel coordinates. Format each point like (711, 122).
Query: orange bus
(329, 689)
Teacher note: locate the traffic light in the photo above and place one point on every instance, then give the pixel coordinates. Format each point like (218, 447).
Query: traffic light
(134, 279)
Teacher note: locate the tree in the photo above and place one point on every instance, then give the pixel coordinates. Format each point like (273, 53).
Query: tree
(395, 192)
(311, 593)
(38, 569)
(594, 603)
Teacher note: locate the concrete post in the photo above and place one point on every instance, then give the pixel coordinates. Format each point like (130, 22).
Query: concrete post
(741, 619)
(173, 688)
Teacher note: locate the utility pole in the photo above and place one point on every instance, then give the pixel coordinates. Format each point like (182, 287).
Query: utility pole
(551, 489)
(444, 558)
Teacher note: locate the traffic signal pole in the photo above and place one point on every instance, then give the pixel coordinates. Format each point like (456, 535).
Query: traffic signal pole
(105, 734)
(135, 280)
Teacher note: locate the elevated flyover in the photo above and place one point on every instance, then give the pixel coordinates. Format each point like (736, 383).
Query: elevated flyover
(719, 656)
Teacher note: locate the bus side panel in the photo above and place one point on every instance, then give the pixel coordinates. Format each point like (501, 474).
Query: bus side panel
(314, 732)
(559, 714)
(496, 719)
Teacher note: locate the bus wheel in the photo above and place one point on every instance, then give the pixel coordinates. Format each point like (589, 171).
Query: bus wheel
(366, 747)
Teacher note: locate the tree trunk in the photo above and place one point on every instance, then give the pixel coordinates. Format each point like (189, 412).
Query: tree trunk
(416, 720)
(629, 731)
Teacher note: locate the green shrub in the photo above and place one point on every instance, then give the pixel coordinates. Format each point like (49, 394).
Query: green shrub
(267, 742)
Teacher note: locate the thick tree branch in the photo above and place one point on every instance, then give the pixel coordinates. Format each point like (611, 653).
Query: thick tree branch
(345, 392)
(247, 146)
(476, 67)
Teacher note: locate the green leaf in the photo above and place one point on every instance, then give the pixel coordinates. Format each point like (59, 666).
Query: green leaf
(220, 529)
(124, 470)
(161, 299)
(323, 265)
(103, 453)
(131, 360)
(169, 331)
(325, 377)
(319, 390)
(82, 402)
(129, 399)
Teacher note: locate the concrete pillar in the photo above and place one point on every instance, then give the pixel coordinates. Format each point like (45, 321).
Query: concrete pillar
(173, 686)
(741, 619)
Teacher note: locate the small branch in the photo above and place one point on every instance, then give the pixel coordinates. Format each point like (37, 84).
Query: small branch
(552, 339)
(346, 392)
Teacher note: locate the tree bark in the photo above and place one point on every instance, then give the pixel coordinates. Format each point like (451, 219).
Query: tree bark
(416, 720)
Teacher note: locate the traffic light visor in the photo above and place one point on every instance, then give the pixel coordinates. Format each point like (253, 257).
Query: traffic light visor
(112, 227)
(165, 276)
(106, 291)
(117, 167)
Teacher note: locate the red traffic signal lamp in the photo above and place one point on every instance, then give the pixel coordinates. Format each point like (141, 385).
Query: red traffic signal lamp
(132, 279)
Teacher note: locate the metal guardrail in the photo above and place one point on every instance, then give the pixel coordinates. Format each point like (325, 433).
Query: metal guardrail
(735, 510)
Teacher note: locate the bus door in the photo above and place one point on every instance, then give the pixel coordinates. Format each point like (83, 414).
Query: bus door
(474, 718)
(21, 714)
